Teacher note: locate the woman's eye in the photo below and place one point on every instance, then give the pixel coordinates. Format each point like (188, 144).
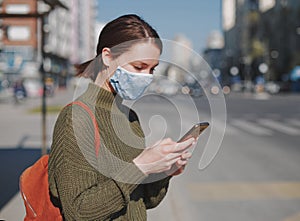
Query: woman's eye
(138, 68)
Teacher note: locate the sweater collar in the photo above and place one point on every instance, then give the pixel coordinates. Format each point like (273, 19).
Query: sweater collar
(98, 96)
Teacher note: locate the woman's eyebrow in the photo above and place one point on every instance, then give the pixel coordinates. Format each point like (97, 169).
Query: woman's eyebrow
(144, 63)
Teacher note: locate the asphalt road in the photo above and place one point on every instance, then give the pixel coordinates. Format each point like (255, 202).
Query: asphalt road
(254, 176)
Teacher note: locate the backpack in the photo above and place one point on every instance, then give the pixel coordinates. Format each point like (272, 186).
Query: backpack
(34, 186)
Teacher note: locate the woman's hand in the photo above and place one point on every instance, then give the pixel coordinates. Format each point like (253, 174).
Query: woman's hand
(179, 166)
(163, 155)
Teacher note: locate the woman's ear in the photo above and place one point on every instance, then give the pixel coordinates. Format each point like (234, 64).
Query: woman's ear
(106, 56)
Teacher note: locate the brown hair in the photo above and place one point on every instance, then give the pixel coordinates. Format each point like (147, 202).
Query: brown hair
(124, 29)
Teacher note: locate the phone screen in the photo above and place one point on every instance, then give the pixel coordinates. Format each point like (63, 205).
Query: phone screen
(195, 131)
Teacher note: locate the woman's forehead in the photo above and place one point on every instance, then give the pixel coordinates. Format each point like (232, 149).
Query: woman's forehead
(144, 52)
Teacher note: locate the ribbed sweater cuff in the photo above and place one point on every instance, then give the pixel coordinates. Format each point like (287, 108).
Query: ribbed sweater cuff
(128, 179)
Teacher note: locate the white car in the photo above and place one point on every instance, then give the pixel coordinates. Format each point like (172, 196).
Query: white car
(34, 87)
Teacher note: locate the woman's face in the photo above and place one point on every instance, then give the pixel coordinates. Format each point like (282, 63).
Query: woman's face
(140, 58)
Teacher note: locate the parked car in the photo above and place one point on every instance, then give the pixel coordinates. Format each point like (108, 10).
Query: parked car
(34, 87)
(165, 87)
(272, 87)
(295, 79)
(295, 74)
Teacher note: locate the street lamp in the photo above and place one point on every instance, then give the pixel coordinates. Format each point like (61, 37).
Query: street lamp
(263, 68)
(46, 66)
(234, 71)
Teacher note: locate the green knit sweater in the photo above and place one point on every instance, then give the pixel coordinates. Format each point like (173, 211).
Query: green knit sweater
(108, 186)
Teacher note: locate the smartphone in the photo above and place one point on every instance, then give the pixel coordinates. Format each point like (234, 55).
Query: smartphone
(195, 131)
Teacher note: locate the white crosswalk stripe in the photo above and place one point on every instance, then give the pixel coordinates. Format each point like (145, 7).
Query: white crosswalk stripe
(279, 126)
(219, 126)
(263, 126)
(252, 128)
(294, 122)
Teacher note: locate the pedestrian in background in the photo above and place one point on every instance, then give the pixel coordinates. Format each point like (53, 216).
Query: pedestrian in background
(99, 168)
(20, 92)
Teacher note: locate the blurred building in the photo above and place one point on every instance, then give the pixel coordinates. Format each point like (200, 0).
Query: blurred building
(98, 28)
(213, 54)
(57, 51)
(68, 33)
(181, 58)
(280, 33)
(83, 16)
(240, 20)
(262, 37)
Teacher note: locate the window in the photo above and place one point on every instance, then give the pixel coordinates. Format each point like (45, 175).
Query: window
(18, 33)
(17, 9)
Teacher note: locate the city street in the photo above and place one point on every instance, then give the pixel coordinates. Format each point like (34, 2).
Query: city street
(245, 165)
(254, 176)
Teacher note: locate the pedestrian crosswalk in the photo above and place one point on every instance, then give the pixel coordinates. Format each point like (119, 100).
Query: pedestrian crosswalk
(279, 126)
(294, 122)
(251, 127)
(263, 126)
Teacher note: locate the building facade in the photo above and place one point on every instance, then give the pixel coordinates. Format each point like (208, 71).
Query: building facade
(66, 38)
(213, 55)
(83, 17)
(262, 37)
(280, 32)
(19, 40)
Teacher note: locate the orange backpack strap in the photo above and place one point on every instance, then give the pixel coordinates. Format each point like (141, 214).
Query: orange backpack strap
(95, 124)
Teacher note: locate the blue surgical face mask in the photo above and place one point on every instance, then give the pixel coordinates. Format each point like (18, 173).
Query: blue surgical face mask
(129, 85)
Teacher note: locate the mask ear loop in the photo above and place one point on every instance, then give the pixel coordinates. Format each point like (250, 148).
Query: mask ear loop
(107, 75)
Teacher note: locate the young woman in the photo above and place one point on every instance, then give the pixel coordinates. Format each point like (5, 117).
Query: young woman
(112, 181)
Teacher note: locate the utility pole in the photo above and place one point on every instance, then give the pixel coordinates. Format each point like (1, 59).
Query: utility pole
(44, 97)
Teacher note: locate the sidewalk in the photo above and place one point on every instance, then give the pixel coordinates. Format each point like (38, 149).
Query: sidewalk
(20, 128)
